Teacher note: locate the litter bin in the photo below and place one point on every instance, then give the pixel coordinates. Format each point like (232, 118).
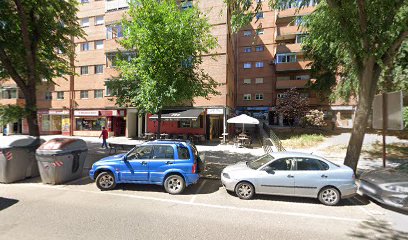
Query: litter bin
(61, 160)
(17, 158)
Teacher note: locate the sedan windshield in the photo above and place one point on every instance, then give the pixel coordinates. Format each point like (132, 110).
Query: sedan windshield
(260, 161)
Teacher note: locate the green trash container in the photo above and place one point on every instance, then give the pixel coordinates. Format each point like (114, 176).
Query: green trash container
(17, 158)
(61, 160)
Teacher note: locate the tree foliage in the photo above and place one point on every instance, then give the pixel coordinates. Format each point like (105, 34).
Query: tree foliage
(314, 118)
(170, 44)
(31, 33)
(11, 114)
(292, 106)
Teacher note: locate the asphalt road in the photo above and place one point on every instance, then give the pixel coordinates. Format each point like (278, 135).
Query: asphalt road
(32, 210)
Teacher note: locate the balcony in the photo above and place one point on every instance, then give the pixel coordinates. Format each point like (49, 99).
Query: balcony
(289, 48)
(116, 5)
(288, 84)
(12, 101)
(292, 12)
(293, 66)
(288, 32)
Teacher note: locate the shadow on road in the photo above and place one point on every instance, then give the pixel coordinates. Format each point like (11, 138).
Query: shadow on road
(375, 229)
(7, 202)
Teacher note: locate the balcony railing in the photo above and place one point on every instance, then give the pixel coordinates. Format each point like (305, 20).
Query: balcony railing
(289, 48)
(293, 66)
(288, 84)
(116, 5)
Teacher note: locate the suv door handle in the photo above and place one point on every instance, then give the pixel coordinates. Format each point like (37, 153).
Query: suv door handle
(324, 176)
(169, 162)
(290, 176)
(144, 163)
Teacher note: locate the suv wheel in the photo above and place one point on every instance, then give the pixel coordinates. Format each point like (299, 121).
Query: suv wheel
(329, 196)
(105, 181)
(174, 184)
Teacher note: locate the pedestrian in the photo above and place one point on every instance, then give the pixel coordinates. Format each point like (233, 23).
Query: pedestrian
(5, 131)
(104, 135)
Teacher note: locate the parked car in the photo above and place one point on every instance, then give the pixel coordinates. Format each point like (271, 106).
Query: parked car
(291, 174)
(172, 164)
(388, 186)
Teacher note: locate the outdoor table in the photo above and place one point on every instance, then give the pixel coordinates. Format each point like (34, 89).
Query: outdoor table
(242, 140)
(164, 135)
(149, 135)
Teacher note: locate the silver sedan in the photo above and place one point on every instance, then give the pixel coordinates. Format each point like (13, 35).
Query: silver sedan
(291, 174)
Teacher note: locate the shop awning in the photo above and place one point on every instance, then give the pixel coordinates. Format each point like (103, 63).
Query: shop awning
(192, 114)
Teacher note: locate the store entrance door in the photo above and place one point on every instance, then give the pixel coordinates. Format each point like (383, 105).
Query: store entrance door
(216, 127)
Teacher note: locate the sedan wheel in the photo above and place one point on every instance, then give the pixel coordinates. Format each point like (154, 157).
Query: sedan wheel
(329, 196)
(174, 184)
(105, 181)
(245, 190)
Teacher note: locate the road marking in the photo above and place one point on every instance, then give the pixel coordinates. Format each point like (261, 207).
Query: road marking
(198, 190)
(242, 209)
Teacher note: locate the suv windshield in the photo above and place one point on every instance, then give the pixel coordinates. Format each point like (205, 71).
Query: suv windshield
(255, 164)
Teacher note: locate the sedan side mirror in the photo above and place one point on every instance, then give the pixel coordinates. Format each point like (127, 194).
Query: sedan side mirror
(269, 170)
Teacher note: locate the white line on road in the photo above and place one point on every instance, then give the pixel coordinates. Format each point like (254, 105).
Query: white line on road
(198, 191)
(243, 209)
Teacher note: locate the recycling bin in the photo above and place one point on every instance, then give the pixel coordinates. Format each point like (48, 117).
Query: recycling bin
(17, 158)
(61, 160)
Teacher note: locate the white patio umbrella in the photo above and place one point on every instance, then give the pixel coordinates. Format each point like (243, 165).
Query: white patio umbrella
(244, 119)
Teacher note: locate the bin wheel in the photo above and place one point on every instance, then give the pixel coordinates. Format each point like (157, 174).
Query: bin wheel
(105, 181)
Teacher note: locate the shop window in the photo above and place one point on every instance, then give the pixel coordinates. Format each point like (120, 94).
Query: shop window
(50, 122)
(191, 123)
(90, 124)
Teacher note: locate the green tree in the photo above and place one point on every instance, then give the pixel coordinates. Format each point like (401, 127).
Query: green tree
(358, 41)
(169, 44)
(31, 34)
(292, 106)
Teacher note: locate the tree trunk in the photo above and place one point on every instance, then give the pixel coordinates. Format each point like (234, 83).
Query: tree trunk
(31, 108)
(368, 85)
(159, 122)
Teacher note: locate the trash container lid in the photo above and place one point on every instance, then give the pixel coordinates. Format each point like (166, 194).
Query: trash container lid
(62, 145)
(19, 141)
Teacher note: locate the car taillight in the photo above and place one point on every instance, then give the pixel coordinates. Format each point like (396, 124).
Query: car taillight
(194, 169)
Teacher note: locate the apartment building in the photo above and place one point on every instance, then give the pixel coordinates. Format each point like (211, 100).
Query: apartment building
(81, 105)
(271, 61)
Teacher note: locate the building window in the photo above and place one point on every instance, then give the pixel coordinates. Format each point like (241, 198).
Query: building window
(247, 33)
(259, 48)
(84, 1)
(98, 69)
(98, 94)
(108, 91)
(84, 70)
(286, 58)
(247, 81)
(60, 95)
(191, 123)
(111, 58)
(99, 44)
(84, 94)
(247, 65)
(186, 4)
(259, 32)
(302, 77)
(300, 38)
(304, 95)
(298, 21)
(89, 124)
(85, 46)
(259, 96)
(48, 96)
(259, 80)
(247, 97)
(259, 15)
(259, 64)
(99, 20)
(281, 95)
(114, 31)
(9, 93)
(247, 49)
(85, 22)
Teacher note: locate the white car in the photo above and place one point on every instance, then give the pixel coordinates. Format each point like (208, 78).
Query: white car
(291, 174)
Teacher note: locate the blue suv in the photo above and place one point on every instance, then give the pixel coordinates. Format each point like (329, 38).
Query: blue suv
(172, 164)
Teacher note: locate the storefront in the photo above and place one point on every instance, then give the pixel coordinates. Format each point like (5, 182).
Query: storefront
(50, 122)
(260, 113)
(91, 122)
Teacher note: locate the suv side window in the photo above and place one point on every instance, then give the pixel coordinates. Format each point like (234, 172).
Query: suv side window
(142, 152)
(183, 153)
(284, 164)
(309, 164)
(163, 152)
